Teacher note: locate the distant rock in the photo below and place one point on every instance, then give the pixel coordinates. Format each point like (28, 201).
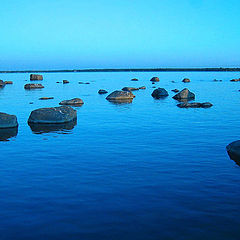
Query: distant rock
(175, 90)
(30, 86)
(235, 80)
(58, 82)
(8, 121)
(185, 94)
(35, 77)
(46, 98)
(53, 115)
(130, 89)
(72, 102)
(102, 91)
(159, 93)
(186, 80)
(195, 105)
(173, 81)
(2, 84)
(143, 87)
(8, 82)
(134, 79)
(65, 81)
(120, 95)
(83, 83)
(215, 80)
(155, 79)
(233, 150)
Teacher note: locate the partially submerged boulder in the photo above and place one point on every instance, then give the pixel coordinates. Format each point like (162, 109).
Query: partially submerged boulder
(35, 77)
(233, 150)
(30, 86)
(72, 102)
(130, 89)
(102, 91)
(159, 93)
(8, 121)
(195, 105)
(184, 95)
(186, 80)
(155, 79)
(52, 115)
(120, 95)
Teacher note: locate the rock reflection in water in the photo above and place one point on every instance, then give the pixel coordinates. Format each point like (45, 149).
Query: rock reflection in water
(6, 133)
(60, 128)
(122, 101)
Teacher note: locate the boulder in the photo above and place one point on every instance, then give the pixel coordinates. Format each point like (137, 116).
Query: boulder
(35, 77)
(52, 115)
(175, 90)
(155, 79)
(184, 95)
(186, 80)
(2, 84)
(33, 86)
(65, 81)
(73, 102)
(233, 150)
(159, 93)
(130, 89)
(195, 105)
(102, 91)
(134, 79)
(8, 82)
(8, 121)
(120, 95)
(46, 98)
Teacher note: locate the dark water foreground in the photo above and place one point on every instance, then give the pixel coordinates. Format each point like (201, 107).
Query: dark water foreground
(140, 170)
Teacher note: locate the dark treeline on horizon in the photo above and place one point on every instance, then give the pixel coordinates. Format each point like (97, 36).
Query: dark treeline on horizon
(131, 70)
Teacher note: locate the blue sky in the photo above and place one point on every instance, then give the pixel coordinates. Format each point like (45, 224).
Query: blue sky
(70, 34)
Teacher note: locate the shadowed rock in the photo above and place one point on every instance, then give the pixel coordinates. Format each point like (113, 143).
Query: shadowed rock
(53, 115)
(120, 95)
(155, 79)
(186, 80)
(72, 102)
(102, 91)
(30, 86)
(36, 77)
(195, 105)
(8, 121)
(6, 133)
(184, 95)
(159, 93)
(233, 150)
(130, 89)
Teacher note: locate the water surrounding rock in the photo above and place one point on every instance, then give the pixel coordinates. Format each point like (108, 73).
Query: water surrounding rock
(120, 95)
(33, 86)
(134, 79)
(233, 150)
(143, 87)
(195, 105)
(65, 81)
(72, 102)
(2, 84)
(8, 82)
(34, 77)
(130, 89)
(46, 98)
(175, 90)
(159, 93)
(52, 115)
(186, 80)
(8, 121)
(185, 94)
(102, 91)
(155, 79)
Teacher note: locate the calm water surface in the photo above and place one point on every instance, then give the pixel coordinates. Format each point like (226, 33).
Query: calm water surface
(145, 170)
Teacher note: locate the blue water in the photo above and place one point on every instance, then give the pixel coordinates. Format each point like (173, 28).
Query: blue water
(144, 170)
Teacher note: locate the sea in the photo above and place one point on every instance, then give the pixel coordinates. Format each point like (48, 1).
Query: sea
(140, 170)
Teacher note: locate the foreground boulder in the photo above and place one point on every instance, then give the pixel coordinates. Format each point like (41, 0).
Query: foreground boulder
(130, 89)
(155, 79)
(184, 95)
(33, 86)
(35, 77)
(102, 91)
(52, 115)
(2, 84)
(73, 102)
(159, 93)
(120, 95)
(8, 121)
(195, 105)
(186, 80)
(233, 150)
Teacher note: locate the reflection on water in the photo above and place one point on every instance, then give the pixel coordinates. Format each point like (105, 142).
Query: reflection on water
(60, 128)
(122, 101)
(6, 133)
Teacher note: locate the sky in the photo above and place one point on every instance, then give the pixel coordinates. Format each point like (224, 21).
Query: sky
(76, 34)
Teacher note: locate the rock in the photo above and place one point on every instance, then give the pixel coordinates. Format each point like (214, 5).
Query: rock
(34, 77)
(58, 82)
(8, 82)
(6, 133)
(173, 81)
(143, 87)
(46, 98)
(235, 80)
(33, 86)
(102, 91)
(215, 80)
(65, 81)
(233, 150)
(83, 83)
(175, 90)
(155, 79)
(195, 105)
(159, 93)
(186, 80)
(73, 102)
(185, 94)
(130, 89)
(2, 84)
(31, 103)
(154, 87)
(53, 115)
(134, 79)
(120, 95)
(8, 121)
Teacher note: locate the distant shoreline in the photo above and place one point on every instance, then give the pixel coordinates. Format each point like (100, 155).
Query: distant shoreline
(131, 70)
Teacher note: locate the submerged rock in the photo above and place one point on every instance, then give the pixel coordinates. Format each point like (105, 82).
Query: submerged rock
(155, 79)
(34, 77)
(186, 80)
(33, 86)
(233, 150)
(53, 115)
(2, 84)
(130, 89)
(8, 121)
(72, 102)
(185, 94)
(159, 93)
(195, 105)
(102, 91)
(65, 81)
(120, 95)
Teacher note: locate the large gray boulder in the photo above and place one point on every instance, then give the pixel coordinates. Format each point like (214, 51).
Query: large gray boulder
(159, 93)
(233, 150)
(2, 84)
(53, 115)
(185, 94)
(8, 121)
(30, 86)
(73, 102)
(35, 77)
(120, 95)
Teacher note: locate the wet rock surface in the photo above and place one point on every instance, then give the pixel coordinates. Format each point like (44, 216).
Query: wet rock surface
(120, 95)
(72, 102)
(159, 93)
(184, 95)
(36, 77)
(30, 86)
(8, 121)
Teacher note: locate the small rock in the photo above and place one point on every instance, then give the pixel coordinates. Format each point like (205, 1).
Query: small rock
(120, 95)
(8, 82)
(195, 105)
(65, 81)
(134, 79)
(175, 90)
(33, 86)
(34, 77)
(185, 94)
(130, 89)
(87, 83)
(8, 121)
(159, 93)
(102, 91)
(143, 87)
(215, 80)
(235, 80)
(155, 79)
(58, 82)
(73, 102)
(31, 103)
(46, 98)
(2, 84)
(154, 87)
(186, 80)
(173, 81)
